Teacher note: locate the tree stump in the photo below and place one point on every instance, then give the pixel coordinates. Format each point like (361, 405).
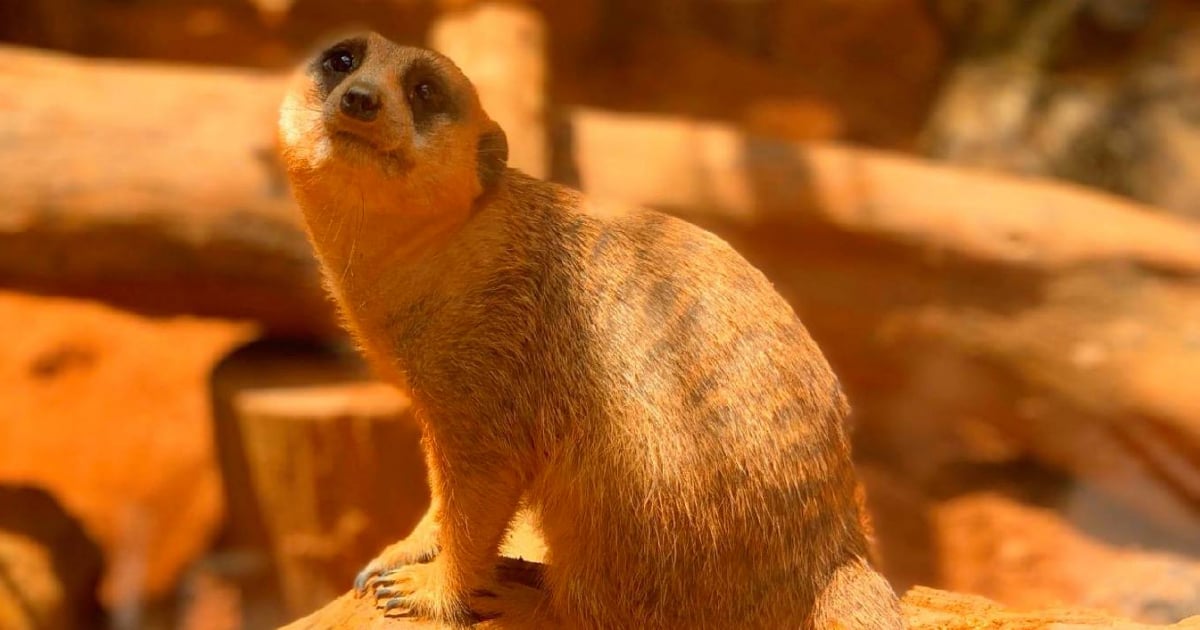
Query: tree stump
(337, 474)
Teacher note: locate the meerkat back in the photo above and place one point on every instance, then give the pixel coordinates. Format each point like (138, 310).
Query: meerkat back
(624, 376)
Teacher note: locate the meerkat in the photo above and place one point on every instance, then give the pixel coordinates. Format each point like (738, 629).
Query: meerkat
(624, 376)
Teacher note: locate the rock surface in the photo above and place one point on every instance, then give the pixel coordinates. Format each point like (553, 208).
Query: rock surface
(1030, 557)
(125, 396)
(930, 609)
(924, 609)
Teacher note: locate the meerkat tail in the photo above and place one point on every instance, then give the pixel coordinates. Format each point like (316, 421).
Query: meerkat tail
(857, 598)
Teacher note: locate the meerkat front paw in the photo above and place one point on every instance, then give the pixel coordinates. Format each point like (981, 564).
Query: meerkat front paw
(420, 590)
(417, 549)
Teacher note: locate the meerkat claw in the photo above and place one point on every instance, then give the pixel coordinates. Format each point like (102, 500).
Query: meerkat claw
(368, 578)
(363, 581)
(385, 591)
(396, 603)
(387, 578)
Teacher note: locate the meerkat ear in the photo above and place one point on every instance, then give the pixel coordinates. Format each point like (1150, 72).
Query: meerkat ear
(492, 156)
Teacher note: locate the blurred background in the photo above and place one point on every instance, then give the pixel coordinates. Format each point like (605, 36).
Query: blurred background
(985, 211)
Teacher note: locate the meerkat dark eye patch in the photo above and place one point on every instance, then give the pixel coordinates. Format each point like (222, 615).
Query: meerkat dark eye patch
(429, 96)
(337, 62)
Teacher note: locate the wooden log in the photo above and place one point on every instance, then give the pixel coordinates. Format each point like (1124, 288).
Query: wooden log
(264, 364)
(715, 174)
(502, 49)
(161, 195)
(338, 475)
(924, 609)
(244, 558)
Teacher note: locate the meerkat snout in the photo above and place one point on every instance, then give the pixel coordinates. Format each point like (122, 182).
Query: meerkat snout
(361, 102)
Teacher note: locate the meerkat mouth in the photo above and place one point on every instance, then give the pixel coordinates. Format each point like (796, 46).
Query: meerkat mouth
(392, 161)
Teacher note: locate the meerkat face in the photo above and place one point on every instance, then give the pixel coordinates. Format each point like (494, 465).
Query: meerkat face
(392, 118)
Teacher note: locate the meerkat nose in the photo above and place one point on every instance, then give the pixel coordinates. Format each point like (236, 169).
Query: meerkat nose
(361, 101)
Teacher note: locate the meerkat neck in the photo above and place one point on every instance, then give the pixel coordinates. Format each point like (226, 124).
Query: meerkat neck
(365, 245)
(363, 239)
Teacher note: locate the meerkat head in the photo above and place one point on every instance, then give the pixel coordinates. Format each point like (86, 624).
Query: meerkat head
(395, 128)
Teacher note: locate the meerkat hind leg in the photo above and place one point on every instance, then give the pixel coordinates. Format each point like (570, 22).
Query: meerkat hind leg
(513, 605)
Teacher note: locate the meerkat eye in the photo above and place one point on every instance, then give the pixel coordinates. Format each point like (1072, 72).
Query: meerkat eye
(340, 60)
(429, 100)
(424, 91)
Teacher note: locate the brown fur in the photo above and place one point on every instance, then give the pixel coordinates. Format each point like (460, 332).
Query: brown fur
(625, 376)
